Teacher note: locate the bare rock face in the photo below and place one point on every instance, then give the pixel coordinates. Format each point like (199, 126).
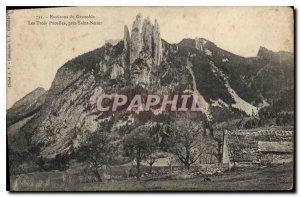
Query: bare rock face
(136, 39)
(147, 35)
(146, 38)
(157, 44)
(116, 71)
(126, 49)
(103, 67)
(141, 76)
(198, 44)
(143, 44)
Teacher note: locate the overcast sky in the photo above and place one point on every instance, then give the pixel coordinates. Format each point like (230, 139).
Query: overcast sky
(38, 51)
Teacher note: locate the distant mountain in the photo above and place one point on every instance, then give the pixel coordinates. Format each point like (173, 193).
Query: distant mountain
(228, 86)
(26, 106)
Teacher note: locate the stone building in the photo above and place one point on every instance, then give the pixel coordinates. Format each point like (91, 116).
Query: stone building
(257, 147)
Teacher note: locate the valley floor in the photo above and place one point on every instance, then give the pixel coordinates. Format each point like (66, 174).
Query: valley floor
(240, 179)
(271, 178)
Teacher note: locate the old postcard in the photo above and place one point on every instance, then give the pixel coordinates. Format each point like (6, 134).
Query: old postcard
(150, 99)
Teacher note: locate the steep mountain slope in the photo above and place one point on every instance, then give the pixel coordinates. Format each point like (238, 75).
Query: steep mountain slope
(141, 63)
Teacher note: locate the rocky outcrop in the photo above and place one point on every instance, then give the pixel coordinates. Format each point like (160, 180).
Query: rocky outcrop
(157, 44)
(103, 67)
(199, 44)
(264, 52)
(136, 39)
(116, 71)
(140, 75)
(147, 35)
(145, 44)
(126, 49)
(204, 45)
(144, 38)
(66, 118)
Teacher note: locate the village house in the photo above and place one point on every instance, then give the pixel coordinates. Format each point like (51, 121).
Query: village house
(257, 147)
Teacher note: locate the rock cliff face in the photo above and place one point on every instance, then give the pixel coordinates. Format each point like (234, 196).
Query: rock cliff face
(146, 45)
(157, 46)
(136, 39)
(225, 83)
(116, 71)
(147, 35)
(145, 38)
(126, 49)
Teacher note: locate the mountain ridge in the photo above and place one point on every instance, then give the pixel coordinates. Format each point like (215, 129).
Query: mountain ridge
(225, 82)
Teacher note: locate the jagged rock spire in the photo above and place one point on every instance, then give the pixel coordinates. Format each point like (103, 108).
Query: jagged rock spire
(126, 49)
(147, 35)
(136, 39)
(157, 43)
(145, 38)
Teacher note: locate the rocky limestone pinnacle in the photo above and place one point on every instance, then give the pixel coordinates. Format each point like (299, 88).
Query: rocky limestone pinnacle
(136, 39)
(157, 43)
(147, 35)
(126, 49)
(145, 38)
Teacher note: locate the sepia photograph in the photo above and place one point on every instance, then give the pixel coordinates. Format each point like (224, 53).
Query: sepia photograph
(194, 99)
